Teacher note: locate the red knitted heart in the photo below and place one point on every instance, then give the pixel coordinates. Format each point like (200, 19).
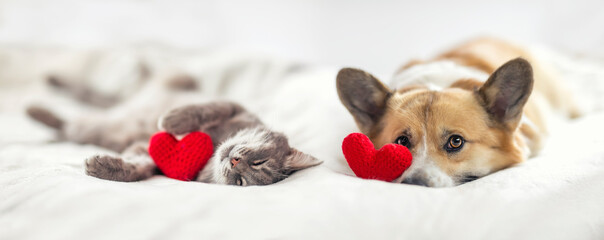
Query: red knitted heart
(182, 159)
(385, 164)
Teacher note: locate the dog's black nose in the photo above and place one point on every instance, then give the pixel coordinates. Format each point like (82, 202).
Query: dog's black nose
(415, 181)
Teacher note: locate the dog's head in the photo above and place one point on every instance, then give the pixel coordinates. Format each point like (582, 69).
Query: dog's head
(456, 134)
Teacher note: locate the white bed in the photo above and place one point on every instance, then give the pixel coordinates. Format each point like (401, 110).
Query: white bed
(44, 193)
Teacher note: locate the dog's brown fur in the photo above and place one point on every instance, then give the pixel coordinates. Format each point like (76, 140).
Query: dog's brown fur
(487, 115)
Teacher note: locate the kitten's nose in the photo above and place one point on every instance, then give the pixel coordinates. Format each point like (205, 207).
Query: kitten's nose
(234, 162)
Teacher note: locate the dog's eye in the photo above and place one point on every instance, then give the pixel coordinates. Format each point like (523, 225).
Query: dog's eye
(402, 140)
(455, 143)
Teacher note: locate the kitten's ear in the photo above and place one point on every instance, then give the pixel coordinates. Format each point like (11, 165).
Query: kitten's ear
(506, 91)
(297, 160)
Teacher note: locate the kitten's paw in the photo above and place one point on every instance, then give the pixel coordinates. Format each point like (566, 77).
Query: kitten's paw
(180, 121)
(45, 117)
(110, 168)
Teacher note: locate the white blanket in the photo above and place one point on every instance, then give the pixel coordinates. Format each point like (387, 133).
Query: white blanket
(44, 193)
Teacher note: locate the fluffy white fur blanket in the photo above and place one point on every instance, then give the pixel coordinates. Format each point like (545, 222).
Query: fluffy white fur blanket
(44, 193)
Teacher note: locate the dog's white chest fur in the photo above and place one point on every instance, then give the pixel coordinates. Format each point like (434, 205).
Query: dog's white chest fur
(436, 75)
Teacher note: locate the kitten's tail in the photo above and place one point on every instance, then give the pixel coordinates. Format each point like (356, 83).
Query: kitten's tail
(45, 117)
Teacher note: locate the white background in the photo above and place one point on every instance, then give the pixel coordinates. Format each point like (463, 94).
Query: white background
(375, 35)
(44, 193)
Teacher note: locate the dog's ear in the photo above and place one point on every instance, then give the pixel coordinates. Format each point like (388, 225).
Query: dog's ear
(363, 95)
(506, 91)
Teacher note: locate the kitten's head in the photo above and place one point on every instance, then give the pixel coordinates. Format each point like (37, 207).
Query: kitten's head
(258, 157)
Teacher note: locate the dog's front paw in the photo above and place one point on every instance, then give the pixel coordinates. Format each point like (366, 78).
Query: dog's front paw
(180, 121)
(110, 168)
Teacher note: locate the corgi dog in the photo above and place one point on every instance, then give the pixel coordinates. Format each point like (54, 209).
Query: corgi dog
(474, 110)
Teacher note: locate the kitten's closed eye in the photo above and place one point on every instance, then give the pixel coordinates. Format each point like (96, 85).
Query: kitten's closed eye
(259, 162)
(240, 182)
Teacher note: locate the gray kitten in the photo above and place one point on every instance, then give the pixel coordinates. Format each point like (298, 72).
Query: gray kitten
(246, 152)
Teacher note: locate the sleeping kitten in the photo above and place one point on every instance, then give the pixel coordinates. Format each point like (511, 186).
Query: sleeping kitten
(246, 152)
